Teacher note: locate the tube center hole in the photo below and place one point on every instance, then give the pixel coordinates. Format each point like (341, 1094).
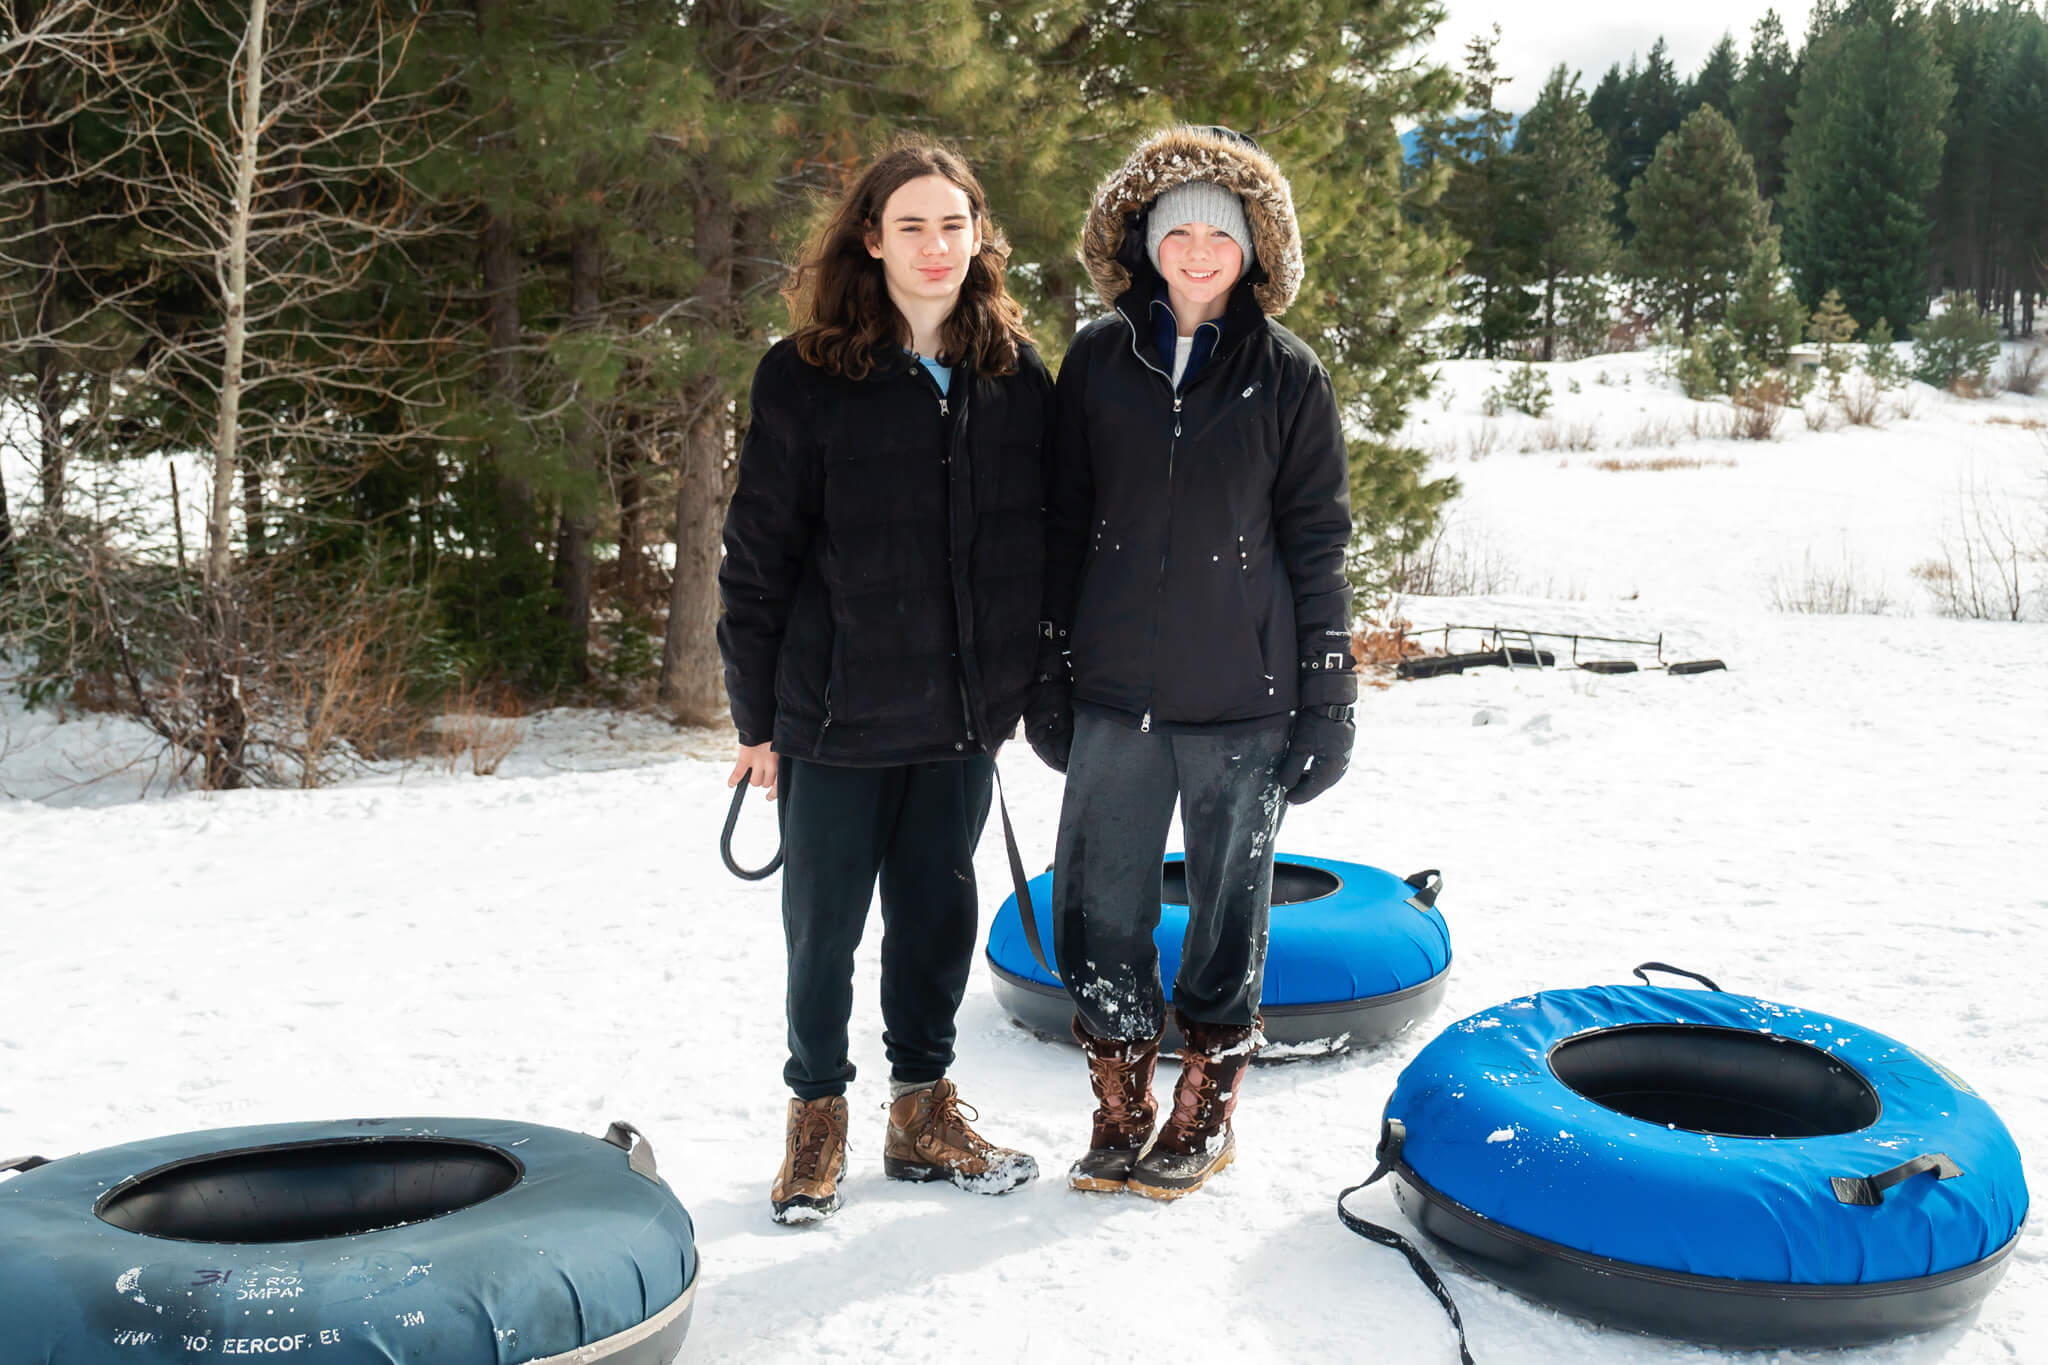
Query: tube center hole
(309, 1191)
(1723, 1081)
(1293, 883)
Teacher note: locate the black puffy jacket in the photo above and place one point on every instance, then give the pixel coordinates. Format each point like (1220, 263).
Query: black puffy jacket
(883, 560)
(1196, 539)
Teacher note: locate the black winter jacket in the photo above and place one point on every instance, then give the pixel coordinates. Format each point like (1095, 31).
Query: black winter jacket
(1196, 540)
(883, 560)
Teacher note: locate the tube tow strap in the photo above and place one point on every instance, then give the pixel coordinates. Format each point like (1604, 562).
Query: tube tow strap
(732, 820)
(1021, 882)
(1390, 1152)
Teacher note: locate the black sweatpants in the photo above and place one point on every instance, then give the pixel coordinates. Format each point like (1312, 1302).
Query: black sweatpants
(916, 827)
(1121, 786)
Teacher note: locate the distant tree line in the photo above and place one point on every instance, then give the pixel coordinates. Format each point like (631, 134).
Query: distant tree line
(1900, 154)
(447, 309)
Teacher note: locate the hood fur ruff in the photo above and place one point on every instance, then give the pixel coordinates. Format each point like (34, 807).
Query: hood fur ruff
(1175, 157)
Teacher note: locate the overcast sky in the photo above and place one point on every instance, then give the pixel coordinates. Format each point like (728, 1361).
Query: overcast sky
(1590, 35)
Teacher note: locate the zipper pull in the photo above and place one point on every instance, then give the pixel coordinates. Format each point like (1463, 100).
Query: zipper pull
(943, 409)
(1176, 414)
(1145, 724)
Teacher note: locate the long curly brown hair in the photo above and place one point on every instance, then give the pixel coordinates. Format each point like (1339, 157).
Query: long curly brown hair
(839, 304)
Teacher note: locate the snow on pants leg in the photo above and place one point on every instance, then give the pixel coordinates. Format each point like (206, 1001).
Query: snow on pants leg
(915, 826)
(1121, 786)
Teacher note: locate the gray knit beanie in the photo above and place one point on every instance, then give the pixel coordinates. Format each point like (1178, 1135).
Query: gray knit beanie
(1198, 201)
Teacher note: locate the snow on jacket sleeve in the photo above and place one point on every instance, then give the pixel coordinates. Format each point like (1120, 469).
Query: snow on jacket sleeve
(775, 510)
(1069, 498)
(1312, 525)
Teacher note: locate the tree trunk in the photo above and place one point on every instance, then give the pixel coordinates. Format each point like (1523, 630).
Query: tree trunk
(226, 721)
(690, 683)
(43, 360)
(1549, 317)
(252, 508)
(6, 537)
(500, 267)
(633, 587)
(579, 503)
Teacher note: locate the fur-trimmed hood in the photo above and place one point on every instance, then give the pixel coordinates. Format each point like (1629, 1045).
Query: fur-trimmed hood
(1113, 239)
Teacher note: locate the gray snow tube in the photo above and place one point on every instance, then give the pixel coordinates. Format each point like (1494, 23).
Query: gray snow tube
(359, 1242)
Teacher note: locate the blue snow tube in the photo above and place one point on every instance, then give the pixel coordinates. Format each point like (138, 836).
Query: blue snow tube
(1705, 1165)
(1354, 955)
(367, 1242)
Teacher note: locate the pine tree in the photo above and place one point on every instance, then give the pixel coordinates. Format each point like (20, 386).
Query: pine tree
(1698, 220)
(1715, 83)
(1763, 104)
(1864, 154)
(1765, 314)
(1559, 156)
(1607, 108)
(1485, 205)
(1832, 329)
(1655, 110)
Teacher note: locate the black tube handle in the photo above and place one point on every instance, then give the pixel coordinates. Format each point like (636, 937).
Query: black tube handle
(1646, 968)
(732, 820)
(1869, 1189)
(1427, 884)
(23, 1163)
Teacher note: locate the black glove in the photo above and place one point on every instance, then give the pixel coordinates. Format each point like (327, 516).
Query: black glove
(1049, 723)
(1318, 752)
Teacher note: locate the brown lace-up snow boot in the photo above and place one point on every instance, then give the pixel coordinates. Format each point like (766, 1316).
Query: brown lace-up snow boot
(1196, 1141)
(929, 1140)
(807, 1187)
(1121, 1073)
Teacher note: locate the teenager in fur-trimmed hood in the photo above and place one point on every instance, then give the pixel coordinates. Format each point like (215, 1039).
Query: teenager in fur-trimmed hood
(1196, 646)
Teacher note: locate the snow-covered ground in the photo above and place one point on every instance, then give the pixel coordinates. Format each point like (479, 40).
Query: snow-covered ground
(1849, 818)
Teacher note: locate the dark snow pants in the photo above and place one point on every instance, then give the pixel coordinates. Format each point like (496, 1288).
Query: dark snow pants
(1121, 786)
(916, 827)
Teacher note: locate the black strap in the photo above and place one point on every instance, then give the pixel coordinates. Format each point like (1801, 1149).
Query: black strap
(639, 1151)
(23, 1163)
(1022, 883)
(1427, 884)
(1648, 967)
(1869, 1189)
(1390, 1152)
(732, 820)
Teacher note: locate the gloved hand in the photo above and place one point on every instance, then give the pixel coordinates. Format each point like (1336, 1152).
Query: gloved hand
(1049, 723)
(1318, 752)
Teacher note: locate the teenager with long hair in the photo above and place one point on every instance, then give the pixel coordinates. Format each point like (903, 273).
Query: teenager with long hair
(1197, 524)
(881, 590)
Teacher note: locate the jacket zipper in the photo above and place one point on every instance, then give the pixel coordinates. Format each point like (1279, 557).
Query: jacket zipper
(1145, 721)
(946, 411)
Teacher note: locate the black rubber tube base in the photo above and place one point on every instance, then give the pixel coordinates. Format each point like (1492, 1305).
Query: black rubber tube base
(1293, 1032)
(1744, 1314)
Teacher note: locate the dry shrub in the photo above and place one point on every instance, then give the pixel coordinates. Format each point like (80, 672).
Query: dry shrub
(2023, 423)
(1656, 431)
(1973, 386)
(1815, 416)
(1904, 408)
(1452, 564)
(1482, 440)
(1981, 572)
(1381, 648)
(1861, 399)
(2024, 370)
(1828, 590)
(1760, 408)
(484, 724)
(1659, 463)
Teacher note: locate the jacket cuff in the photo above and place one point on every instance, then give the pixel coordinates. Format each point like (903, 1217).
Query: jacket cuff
(1328, 680)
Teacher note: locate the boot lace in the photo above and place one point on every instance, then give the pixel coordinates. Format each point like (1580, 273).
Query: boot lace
(1116, 1091)
(807, 1142)
(949, 1116)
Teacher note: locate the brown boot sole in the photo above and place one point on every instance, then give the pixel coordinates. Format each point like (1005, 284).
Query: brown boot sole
(1165, 1194)
(1095, 1184)
(804, 1208)
(896, 1168)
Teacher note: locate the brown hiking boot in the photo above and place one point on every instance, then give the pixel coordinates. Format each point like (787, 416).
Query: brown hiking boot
(929, 1140)
(1121, 1073)
(807, 1187)
(1196, 1141)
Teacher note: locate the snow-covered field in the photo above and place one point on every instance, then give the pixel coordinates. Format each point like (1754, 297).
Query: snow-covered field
(1850, 819)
